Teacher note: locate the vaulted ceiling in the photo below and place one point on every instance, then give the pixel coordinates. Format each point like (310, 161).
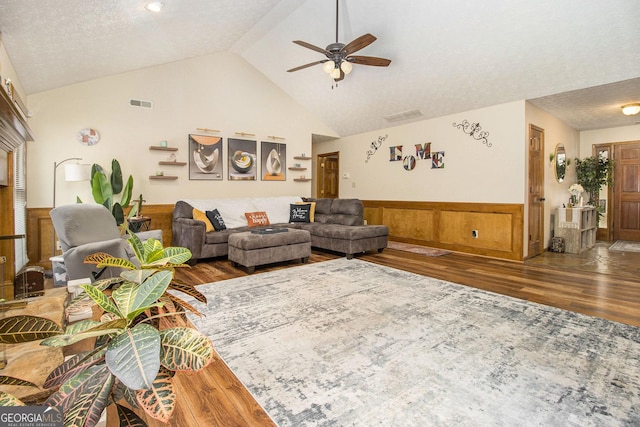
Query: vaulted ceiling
(577, 60)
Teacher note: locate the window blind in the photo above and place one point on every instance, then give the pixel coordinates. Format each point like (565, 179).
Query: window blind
(20, 204)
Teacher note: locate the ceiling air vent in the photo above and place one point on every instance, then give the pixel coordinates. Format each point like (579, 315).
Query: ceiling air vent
(140, 103)
(403, 115)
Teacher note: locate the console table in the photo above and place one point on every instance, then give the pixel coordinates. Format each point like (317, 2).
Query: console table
(578, 227)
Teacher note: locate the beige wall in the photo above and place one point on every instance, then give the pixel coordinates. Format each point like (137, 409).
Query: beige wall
(604, 136)
(472, 172)
(223, 91)
(220, 91)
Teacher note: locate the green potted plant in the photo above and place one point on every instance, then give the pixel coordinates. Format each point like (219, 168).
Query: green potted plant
(593, 173)
(139, 344)
(104, 189)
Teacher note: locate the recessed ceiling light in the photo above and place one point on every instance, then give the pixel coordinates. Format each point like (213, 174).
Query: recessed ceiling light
(630, 109)
(154, 6)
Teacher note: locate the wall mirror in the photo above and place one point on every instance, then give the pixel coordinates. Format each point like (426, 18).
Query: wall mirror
(561, 162)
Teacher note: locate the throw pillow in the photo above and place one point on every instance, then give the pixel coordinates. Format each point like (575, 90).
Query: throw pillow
(312, 211)
(299, 212)
(201, 216)
(256, 219)
(216, 220)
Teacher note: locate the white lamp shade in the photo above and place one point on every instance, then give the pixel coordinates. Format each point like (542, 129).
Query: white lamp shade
(335, 74)
(346, 67)
(329, 66)
(77, 172)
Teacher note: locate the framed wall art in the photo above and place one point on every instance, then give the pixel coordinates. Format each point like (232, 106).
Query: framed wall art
(205, 157)
(273, 161)
(242, 160)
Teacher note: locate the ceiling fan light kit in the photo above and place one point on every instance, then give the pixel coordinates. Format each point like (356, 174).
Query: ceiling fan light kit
(630, 109)
(340, 60)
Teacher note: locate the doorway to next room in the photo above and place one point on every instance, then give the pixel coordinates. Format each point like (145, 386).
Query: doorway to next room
(328, 179)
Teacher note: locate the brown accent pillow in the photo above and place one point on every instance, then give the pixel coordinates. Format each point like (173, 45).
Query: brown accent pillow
(257, 219)
(201, 216)
(312, 210)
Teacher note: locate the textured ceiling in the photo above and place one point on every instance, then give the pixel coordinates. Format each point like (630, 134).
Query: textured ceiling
(578, 63)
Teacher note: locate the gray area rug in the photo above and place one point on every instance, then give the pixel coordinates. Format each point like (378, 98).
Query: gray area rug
(625, 246)
(350, 343)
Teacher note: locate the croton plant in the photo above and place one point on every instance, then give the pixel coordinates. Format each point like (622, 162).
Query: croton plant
(141, 340)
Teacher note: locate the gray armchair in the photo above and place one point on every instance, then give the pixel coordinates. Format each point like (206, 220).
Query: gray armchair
(85, 229)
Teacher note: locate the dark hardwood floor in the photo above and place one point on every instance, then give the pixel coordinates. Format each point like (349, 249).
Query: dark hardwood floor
(599, 283)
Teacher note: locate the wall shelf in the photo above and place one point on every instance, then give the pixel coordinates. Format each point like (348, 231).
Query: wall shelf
(301, 179)
(157, 147)
(297, 169)
(301, 158)
(162, 177)
(172, 163)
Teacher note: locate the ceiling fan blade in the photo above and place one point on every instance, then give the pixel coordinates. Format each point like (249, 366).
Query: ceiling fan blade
(359, 43)
(369, 60)
(312, 47)
(311, 64)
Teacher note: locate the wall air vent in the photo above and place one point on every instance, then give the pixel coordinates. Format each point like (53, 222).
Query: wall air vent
(403, 115)
(140, 103)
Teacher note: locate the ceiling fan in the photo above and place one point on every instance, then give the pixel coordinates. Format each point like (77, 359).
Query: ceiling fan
(339, 56)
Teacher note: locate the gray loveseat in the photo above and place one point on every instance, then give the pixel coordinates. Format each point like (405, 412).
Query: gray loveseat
(338, 224)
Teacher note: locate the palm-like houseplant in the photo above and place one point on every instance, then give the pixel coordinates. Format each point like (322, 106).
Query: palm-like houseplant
(104, 189)
(139, 341)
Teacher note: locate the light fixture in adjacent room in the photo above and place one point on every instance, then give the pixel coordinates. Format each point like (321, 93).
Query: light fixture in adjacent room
(630, 109)
(154, 6)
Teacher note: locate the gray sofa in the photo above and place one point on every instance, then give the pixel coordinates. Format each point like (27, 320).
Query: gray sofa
(338, 225)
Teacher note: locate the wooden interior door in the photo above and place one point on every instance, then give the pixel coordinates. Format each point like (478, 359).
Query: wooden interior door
(328, 175)
(536, 191)
(626, 175)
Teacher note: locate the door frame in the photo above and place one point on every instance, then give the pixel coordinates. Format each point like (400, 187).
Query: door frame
(541, 200)
(612, 194)
(320, 172)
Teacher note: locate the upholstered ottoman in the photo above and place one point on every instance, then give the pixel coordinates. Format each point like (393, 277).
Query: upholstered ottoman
(253, 248)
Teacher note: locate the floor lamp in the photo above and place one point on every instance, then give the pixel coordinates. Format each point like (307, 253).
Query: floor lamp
(72, 172)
